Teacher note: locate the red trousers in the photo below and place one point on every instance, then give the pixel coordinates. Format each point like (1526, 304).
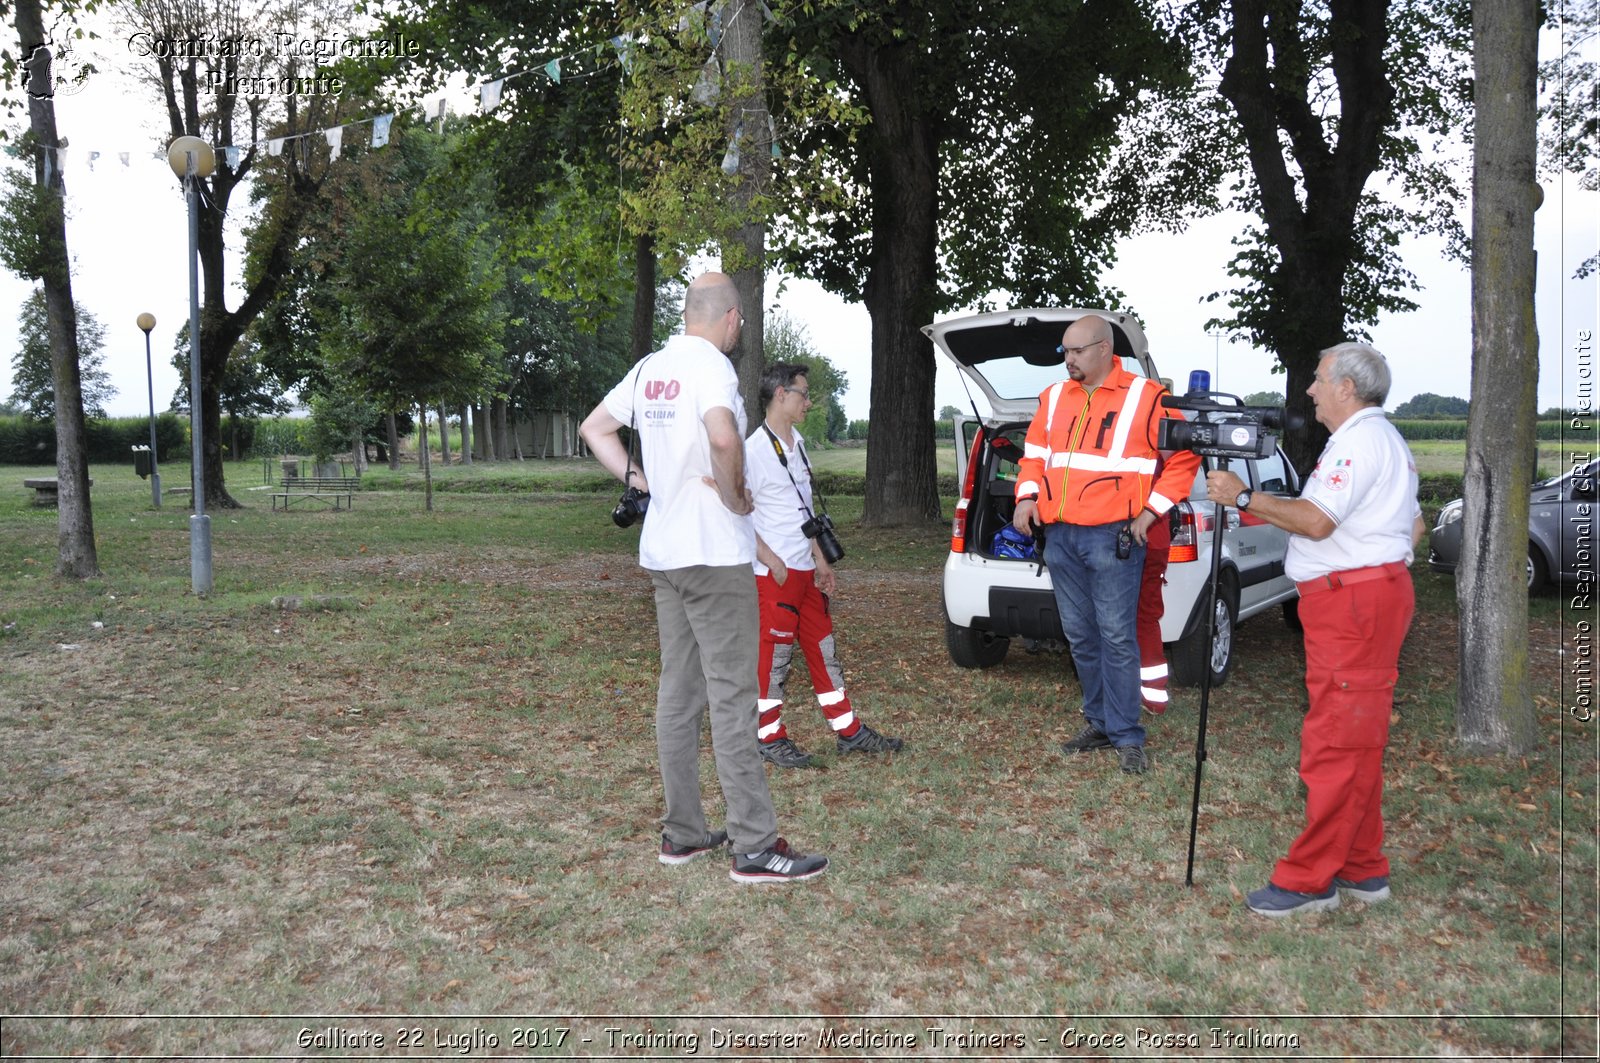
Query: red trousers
(798, 612)
(1152, 655)
(1352, 636)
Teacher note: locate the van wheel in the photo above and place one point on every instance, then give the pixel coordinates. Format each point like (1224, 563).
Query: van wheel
(971, 648)
(1189, 655)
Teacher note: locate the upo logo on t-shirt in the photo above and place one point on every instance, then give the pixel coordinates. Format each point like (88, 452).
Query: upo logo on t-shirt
(659, 408)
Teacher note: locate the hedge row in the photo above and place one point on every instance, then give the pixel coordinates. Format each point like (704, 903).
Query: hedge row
(1457, 429)
(28, 441)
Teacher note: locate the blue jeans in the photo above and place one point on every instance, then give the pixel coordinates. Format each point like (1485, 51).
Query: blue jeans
(1097, 595)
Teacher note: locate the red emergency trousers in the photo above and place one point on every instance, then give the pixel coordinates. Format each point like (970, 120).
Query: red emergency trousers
(1152, 655)
(797, 610)
(1353, 632)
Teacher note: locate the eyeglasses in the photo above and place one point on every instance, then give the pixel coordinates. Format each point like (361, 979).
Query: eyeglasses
(804, 393)
(1078, 350)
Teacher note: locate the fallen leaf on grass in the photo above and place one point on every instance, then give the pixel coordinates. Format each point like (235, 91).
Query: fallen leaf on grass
(1527, 807)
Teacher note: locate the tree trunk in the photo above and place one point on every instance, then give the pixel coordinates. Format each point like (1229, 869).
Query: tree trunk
(485, 432)
(1495, 708)
(498, 428)
(444, 436)
(902, 284)
(643, 339)
(744, 256)
(393, 432)
(422, 456)
(75, 550)
(466, 436)
(358, 448)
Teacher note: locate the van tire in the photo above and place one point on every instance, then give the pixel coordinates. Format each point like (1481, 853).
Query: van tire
(1191, 654)
(1291, 616)
(971, 648)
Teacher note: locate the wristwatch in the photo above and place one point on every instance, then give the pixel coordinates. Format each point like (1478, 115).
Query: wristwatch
(1243, 501)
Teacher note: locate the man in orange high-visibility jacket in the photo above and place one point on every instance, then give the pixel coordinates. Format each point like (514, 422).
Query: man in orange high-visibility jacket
(1089, 477)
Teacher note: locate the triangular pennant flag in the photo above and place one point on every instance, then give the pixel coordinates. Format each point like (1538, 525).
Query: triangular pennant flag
(232, 155)
(553, 68)
(380, 130)
(707, 87)
(730, 160)
(123, 157)
(767, 12)
(772, 136)
(275, 147)
(621, 43)
(93, 155)
(335, 138)
(438, 108)
(489, 95)
(49, 166)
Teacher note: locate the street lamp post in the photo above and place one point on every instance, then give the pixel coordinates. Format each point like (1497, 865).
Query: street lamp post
(191, 159)
(146, 323)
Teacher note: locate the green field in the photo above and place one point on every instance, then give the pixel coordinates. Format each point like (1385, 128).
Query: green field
(398, 769)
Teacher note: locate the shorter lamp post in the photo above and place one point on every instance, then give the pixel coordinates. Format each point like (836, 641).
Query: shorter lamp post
(191, 159)
(146, 323)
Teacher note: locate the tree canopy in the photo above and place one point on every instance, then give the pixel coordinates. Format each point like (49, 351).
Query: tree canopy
(1326, 95)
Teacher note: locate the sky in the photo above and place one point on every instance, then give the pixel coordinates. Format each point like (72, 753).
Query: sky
(127, 233)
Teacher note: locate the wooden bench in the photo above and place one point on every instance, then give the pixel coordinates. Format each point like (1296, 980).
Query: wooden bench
(46, 491)
(327, 490)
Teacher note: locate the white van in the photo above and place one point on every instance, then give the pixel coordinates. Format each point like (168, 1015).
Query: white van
(1010, 356)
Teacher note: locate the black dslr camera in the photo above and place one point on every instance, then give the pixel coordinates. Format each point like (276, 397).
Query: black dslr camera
(1224, 430)
(631, 509)
(820, 528)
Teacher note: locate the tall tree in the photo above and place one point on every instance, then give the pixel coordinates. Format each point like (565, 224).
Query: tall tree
(34, 244)
(208, 92)
(33, 370)
(1328, 94)
(977, 172)
(1495, 707)
(248, 390)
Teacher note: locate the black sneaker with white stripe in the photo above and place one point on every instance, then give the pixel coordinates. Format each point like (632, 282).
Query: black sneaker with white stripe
(777, 863)
(673, 853)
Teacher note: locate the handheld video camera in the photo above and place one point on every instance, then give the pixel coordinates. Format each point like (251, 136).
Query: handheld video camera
(631, 508)
(820, 528)
(1223, 429)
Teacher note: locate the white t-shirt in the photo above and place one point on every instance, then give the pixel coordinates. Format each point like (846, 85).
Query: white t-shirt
(1366, 482)
(666, 397)
(778, 513)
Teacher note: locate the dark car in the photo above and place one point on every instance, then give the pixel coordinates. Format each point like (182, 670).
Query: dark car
(1560, 530)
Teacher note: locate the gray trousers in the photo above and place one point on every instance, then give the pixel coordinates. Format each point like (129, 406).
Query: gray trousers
(710, 636)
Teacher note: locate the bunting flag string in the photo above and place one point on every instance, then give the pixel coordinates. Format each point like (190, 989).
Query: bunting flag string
(490, 94)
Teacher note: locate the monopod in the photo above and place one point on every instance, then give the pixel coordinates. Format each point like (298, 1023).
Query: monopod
(1205, 676)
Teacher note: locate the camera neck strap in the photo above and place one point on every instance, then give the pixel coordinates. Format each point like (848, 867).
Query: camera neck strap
(633, 418)
(783, 459)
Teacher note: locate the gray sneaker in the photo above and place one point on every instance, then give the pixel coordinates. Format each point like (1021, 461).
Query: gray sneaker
(777, 863)
(673, 853)
(866, 740)
(1132, 761)
(1367, 891)
(1085, 740)
(785, 754)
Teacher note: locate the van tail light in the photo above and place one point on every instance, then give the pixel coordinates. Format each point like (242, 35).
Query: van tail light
(958, 525)
(1186, 537)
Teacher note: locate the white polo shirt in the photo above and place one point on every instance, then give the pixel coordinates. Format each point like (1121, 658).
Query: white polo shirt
(778, 514)
(666, 397)
(1366, 482)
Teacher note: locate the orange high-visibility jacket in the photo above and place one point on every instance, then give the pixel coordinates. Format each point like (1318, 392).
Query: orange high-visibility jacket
(1091, 455)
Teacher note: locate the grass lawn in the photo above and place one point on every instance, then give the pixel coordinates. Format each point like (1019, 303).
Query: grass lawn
(396, 778)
